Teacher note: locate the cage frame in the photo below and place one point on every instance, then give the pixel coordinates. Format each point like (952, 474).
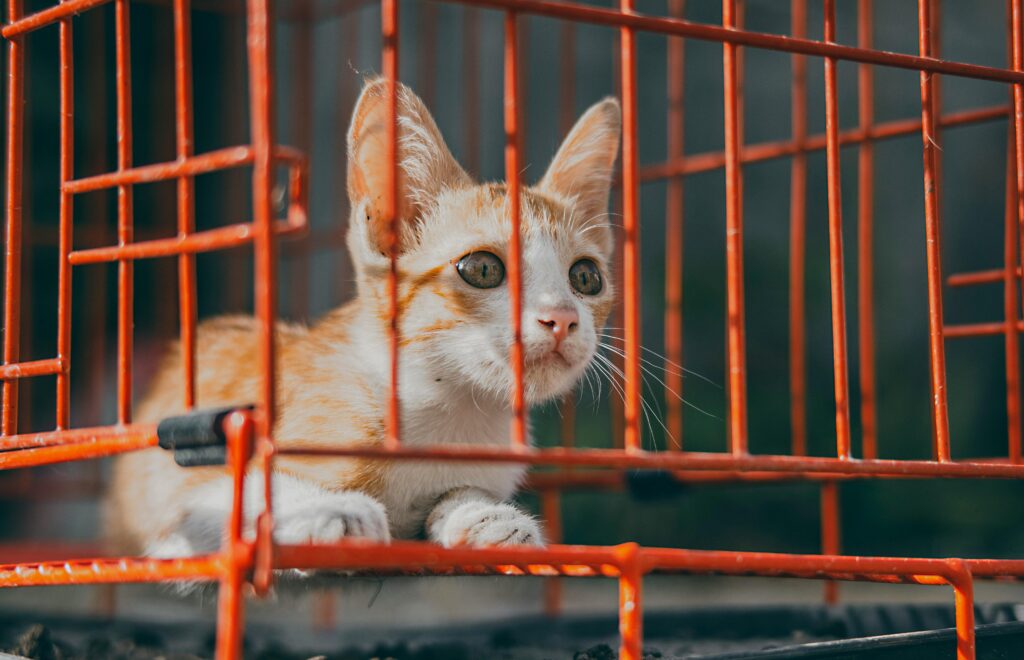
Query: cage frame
(244, 561)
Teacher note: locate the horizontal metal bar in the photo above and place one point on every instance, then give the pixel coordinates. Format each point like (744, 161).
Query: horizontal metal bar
(977, 329)
(222, 238)
(591, 561)
(48, 16)
(573, 561)
(202, 164)
(716, 33)
(81, 436)
(97, 447)
(17, 370)
(978, 277)
(618, 458)
(113, 571)
(706, 162)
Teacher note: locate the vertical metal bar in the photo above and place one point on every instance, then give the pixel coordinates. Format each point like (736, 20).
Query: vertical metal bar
(963, 590)
(735, 332)
(936, 50)
(471, 95)
(830, 532)
(67, 164)
(1017, 132)
(674, 209)
(238, 429)
(261, 111)
(551, 509)
(389, 17)
(186, 193)
(937, 350)
(797, 241)
(631, 235)
(125, 213)
(515, 278)
(835, 244)
(13, 210)
(630, 602)
(1010, 313)
(865, 237)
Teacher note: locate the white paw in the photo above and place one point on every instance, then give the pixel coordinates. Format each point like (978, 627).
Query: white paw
(344, 515)
(484, 523)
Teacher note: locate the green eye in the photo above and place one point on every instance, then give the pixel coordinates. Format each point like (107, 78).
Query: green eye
(585, 277)
(483, 270)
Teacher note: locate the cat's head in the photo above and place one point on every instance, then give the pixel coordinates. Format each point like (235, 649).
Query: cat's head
(454, 249)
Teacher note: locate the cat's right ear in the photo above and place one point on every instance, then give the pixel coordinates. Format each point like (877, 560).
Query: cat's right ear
(425, 165)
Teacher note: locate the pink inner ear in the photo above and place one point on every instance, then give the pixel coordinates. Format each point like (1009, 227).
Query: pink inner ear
(370, 168)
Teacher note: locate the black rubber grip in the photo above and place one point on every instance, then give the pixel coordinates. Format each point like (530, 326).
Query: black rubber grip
(653, 484)
(200, 456)
(199, 428)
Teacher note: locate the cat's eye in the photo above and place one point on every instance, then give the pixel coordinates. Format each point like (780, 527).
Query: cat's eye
(483, 270)
(585, 277)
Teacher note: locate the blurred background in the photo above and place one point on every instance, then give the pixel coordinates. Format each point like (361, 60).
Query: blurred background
(452, 56)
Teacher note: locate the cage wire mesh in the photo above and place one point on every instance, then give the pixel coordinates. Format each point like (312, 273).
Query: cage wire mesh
(171, 160)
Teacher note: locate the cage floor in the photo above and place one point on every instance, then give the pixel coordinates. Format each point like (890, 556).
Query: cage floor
(854, 632)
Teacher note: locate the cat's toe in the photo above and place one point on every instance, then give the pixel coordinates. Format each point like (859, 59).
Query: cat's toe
(345, 515)
(481, 524)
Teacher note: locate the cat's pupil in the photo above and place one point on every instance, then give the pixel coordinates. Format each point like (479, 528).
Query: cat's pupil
(585, 277)
(483, 270)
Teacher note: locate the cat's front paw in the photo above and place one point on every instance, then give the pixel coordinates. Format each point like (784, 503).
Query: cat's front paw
(486, 523)
(343, 515)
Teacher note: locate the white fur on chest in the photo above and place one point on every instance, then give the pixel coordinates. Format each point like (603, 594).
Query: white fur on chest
(413, 487)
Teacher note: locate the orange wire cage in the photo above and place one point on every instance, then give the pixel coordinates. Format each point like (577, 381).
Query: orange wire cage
(249, 562)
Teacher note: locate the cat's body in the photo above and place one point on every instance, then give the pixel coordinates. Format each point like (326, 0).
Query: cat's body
(455, 382)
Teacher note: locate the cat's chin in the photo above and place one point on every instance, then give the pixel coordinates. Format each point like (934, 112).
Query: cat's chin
(549, 380)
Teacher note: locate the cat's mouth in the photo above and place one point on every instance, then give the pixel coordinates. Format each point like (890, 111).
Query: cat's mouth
(553, 357)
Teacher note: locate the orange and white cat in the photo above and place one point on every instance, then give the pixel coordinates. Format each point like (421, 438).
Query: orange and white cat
(455, 385)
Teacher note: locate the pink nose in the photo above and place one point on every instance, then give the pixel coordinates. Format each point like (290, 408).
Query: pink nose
(561, 322)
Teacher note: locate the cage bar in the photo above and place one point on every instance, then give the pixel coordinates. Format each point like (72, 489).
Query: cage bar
(797, 239)
(937, 351)
(67, 159)
(674, 223)
(513, 146)
(13, 213)
(184, 133)
(865, 236)
(389, 35)
(835, 245)
(706, 162)
(125, 219)
(1012, 275)
(735, 330)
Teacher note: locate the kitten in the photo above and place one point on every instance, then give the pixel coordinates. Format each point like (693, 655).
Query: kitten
(455, 378)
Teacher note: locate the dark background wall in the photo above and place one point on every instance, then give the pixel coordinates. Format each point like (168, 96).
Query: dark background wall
(326, 62)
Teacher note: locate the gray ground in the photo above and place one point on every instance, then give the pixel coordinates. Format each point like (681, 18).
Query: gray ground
(432, 618)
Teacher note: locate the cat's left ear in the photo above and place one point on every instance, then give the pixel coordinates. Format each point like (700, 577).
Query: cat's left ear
(581, 171)
(425, 165)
